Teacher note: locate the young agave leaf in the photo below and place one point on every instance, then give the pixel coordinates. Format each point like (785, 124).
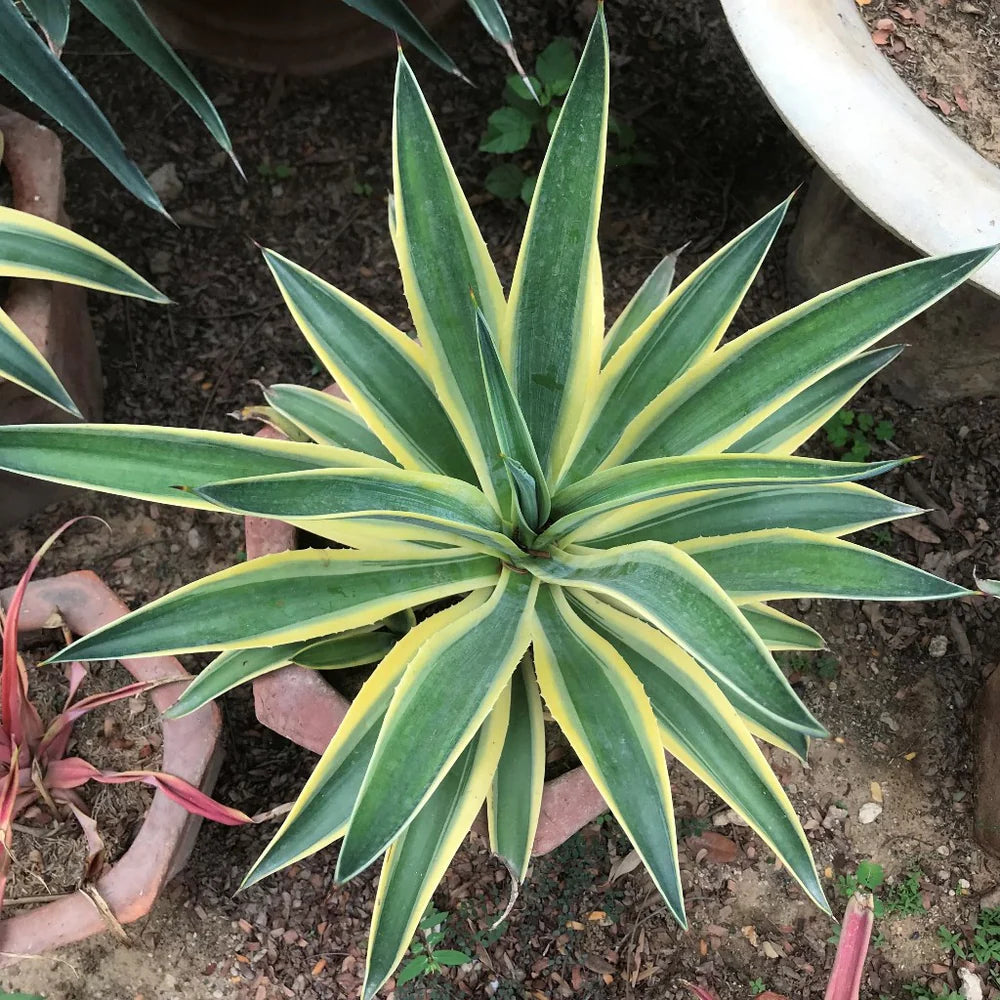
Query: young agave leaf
(687, 326)
(515, 799)
(722, 397)
(321, 813)
(786, 562)
(650, 296)
(591, 692)
(557, 285)
(128, 22)
(443, 698)
(512, 433)
(700, 728)
(282, 598)
(326, 419)
(28, 64)
(418, 858)
(991, 587)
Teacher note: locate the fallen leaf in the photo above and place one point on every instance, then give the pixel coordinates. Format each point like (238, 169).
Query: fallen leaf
(917, 530)
(881, 37)
(718, 849)
(961, 100)
(885, 24)
(770, 951)
(624, 865)
(876, 790)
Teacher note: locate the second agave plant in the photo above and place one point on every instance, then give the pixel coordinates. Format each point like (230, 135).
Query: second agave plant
(594, 521)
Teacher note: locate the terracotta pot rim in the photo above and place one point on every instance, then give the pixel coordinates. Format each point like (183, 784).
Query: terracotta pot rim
(298, 704)
(134, 882)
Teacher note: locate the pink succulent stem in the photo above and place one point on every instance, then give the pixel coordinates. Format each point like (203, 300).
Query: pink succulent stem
(855, 933)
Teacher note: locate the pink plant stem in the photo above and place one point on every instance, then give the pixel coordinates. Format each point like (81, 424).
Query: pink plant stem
(855, 933)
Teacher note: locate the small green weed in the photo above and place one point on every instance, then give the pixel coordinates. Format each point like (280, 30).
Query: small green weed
(853, 434)
(900, 900)
(757, 987)
(428, 959)
(984, 946)
(920, 992)
(525, 122)
(275, 171)
(824, 666)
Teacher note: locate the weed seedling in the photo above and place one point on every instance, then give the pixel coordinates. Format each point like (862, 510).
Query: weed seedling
(853, 434)
(428, 959)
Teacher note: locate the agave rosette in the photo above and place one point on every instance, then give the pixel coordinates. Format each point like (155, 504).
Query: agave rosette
(615, 513)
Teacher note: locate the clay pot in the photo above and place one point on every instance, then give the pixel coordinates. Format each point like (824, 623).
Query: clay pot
(166, 838)
(297, 703)
(987, 820)
(301, 37)
(52, 315)
(954, 347)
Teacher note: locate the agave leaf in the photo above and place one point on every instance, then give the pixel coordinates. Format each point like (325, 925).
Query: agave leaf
(791, 425)
(151, 463)
(23, 363)
(381, 371)
(326, 419)
(783, 737)
(389, 496)
(515, 800)
(716, 402)
(702, 730)
(448, 689)
(31, 247)
(493, 19)
(326, 493)
(637, 482)
(551, 340)
(341, 651)
(128, 22)
(686, 327)
(651, 294)
(591, 692)
(852, 948)
(786, 562)
(398, 17)
(418, 858)
(227, 671)
(830, 508)
(282, 598)
(991, 587)
(441, 257)
(28, 63)
(668, 588)
(321, 812)
(779, 631)
(511, 431)
(52, 16)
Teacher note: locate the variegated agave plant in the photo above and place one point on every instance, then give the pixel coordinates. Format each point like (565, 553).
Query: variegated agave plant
(31, 247)
(616, 510)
